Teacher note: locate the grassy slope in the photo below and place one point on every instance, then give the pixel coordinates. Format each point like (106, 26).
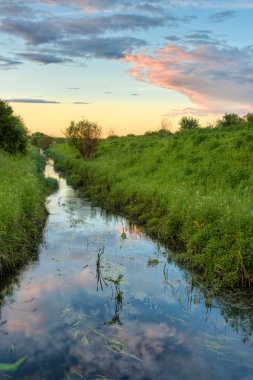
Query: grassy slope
(22, 210)
(193, 187)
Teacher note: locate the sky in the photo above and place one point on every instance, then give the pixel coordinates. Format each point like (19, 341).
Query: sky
(125, 64)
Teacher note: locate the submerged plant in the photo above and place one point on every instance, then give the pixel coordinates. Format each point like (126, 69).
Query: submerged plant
(14, 366)
(152, 262)
(115, 345)
(118, 299)
(99, 267)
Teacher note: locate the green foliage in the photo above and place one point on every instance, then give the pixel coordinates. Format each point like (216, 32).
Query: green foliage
(191, 190)
(12, 367)
(51, 185)
(13, 133)
(84, 135)
(230, 120)
(22, 210)
(249, 118)
(187, 123)
(41, 140)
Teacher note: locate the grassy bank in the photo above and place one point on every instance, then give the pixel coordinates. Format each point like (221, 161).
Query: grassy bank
(22, 209)
(193, 188)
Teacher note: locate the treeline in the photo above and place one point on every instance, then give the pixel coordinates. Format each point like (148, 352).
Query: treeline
(228, 120)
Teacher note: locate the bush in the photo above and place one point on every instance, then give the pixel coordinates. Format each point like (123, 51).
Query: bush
(41, 140)
(187, 123)
(84, 135)
(229, 120)
(249, 117)
(13, 133)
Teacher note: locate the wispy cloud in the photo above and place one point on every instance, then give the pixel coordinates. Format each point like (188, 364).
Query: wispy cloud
(80, 103)
(99, 47)
(173, 38)
(222, 16)
(45, 58)
(8, 63)
(37, 101)
(193, 111)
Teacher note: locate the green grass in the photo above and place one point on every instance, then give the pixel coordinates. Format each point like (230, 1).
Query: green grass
(193, 189)
(22, 210)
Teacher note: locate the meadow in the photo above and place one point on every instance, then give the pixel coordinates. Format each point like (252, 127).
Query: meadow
(191, 190)
(23, 213)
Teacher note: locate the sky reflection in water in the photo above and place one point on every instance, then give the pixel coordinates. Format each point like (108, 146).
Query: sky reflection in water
(126, 314)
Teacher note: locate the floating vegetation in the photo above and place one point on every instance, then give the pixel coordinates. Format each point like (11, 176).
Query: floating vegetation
(75, 372)
(216, 348)
(115, 345)
(77, 325)
(12, 367)
(153, 262)
(123, 235)
(85, 340)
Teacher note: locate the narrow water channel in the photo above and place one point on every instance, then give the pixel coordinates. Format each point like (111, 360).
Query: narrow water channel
(102, 301)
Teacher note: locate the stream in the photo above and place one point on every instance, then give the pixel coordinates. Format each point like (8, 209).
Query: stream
(104, 301)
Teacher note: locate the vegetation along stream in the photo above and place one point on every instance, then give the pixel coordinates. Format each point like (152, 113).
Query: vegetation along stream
(103, 301)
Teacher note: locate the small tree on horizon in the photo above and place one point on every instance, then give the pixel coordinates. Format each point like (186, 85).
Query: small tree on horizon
(41, 140)
(84, 135)
(165, 126)
(249, 117)
(187, 123)
(229, 120)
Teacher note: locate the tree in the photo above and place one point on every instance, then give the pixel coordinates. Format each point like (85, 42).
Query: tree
(13, 133)
(165, 126)
(249, 117)
(229, 120)
(41, 140)
(187, 123)
(84, 135)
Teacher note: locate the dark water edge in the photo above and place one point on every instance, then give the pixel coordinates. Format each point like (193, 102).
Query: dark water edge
(103, 301)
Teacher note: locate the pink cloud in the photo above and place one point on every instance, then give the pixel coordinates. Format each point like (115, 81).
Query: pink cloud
(216, 80)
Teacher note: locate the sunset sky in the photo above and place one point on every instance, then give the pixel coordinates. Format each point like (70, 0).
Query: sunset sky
(125, 64)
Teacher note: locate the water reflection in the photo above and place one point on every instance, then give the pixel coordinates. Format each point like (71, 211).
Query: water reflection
(104, 301)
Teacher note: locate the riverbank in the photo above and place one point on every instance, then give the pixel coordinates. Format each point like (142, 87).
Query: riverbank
(192, 189)
(23, 213)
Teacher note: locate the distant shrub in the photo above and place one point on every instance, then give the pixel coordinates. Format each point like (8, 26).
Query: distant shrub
(165, 126)
(164, 132)
(41, 140)
(13, 133)
(112, 133)
(187, 123)
(84, 135)
(229, 120)
(249, 117)
(160, 132)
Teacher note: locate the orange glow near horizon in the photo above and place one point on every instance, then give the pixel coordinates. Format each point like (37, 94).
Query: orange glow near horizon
(122, 118)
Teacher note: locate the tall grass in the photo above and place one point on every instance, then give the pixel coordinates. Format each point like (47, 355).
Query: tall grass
(193, 188)
(22, 210)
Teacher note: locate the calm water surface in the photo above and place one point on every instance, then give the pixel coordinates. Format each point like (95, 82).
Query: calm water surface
(102, 301)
